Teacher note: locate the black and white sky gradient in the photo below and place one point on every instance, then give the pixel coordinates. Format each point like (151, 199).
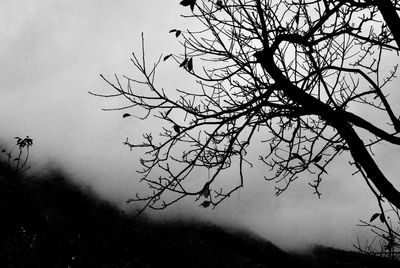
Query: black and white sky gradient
(51, 55)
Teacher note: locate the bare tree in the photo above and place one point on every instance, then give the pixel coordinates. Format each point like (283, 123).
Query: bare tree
(305, 80)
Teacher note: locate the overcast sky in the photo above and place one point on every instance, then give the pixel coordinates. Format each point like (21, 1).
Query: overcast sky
(51, 55)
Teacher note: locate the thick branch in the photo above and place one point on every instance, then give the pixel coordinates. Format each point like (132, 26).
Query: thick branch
(391, 18)
(360, 122)
(357, 147)
(367, 163)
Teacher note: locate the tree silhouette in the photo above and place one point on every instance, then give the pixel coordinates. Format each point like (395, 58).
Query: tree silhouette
(305, 81)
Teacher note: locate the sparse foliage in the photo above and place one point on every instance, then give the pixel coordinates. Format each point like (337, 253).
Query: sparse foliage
(17, 157)
(385, 227)
(307, 81)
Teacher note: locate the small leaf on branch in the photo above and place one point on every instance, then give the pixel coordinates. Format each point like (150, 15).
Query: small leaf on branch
(29, 141)
(205, 204)
(167, 57)
(190, 3)
(178, 33)
(184, 62)
(296, 155)
(219, 5)
(177, 128)
(206, 190)
(317, 158)
(126, 115)
(341, 147)
(374, 217)
(173, 30)
(190, 65)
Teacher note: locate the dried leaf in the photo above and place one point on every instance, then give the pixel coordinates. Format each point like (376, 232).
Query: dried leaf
(219, 4)
(184, 62)
(177, 128)
(190, 65)
(167, 57)
(374, 217)
(296, 155)
(206, 190)
(341, 147)
(317, 158)
(190, 3)
(205, 204)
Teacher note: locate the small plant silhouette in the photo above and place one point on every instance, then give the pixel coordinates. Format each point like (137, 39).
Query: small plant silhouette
(17, 157)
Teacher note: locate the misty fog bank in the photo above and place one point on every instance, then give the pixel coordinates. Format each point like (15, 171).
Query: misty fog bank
(53, 222)
(295, 221)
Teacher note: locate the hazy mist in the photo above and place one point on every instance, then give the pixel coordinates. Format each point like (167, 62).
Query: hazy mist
(51, 55)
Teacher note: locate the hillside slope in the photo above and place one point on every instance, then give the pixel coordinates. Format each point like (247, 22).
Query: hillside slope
(50, 222)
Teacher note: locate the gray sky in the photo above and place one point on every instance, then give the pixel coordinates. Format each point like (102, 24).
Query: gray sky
(51, 55)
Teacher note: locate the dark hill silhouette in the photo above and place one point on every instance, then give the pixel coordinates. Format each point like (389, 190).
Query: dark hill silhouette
(51, 222)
